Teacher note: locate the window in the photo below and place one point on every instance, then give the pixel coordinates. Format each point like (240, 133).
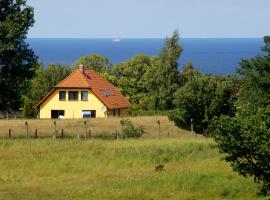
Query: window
(107, 92)
(84, 95)
(62, 95)
(73, 96)
(89, 114)
(57, 114)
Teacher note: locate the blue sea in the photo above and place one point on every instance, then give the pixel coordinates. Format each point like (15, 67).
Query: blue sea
(216, 56)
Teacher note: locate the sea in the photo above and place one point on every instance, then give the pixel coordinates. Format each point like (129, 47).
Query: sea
(211, 55)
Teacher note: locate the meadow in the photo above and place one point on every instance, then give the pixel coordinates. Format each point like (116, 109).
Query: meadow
(131, 169)
(182, 166)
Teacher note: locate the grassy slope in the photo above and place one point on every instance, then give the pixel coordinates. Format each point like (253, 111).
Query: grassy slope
(97, 126)
(73, 169)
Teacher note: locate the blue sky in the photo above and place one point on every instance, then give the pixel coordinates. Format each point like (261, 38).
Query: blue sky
(150, 18)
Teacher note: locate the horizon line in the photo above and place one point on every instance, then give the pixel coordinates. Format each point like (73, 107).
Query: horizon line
(123, 38)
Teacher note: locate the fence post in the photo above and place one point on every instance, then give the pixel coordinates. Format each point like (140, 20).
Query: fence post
(122, 123)
(54, 136)
(62, 133)
(78, 136)
(9, 133)
(158, 129)
(191, 125)
(36, 136)
(27, 134)
(85, 129)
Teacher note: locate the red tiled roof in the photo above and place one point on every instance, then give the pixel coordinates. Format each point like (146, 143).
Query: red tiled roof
(75, 80)
(103, 89)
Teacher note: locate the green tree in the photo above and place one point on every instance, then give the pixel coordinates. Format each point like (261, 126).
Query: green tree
(163, 78)
(28, 107)
(95, 62)
(188, 73)
(245, 138)
(131, 77)
(255, 73)
(202, 98)
(17, 61)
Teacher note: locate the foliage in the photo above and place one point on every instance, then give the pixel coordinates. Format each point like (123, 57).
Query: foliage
(131, 77)
(17, 61)
(95, 62)
(163, 77)
(202, 98)
(255, 92)
(246, 137)
(130, 131)
(246, 144)
(188, 73)
(28, 106)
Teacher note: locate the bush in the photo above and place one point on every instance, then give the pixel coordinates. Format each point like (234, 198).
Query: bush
(246, 142)
(130, 131)
(201, 99)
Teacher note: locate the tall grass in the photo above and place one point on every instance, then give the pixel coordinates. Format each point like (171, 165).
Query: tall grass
(73, 169)
(73, 127)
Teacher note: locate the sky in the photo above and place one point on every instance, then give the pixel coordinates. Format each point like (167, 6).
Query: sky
(150, 18)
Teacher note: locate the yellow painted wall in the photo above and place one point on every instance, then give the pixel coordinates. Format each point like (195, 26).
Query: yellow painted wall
(73, 109)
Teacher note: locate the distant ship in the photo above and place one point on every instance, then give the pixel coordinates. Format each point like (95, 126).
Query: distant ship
(116, 39)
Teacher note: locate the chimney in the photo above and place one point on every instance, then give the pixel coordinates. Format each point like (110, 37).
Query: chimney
(81, 68)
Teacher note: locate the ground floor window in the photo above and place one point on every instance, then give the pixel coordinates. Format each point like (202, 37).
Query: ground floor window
(57, 113)
(89, 114)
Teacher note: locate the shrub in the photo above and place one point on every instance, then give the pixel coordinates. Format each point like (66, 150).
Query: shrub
(201, 99)
(246, 142)
(130, 131)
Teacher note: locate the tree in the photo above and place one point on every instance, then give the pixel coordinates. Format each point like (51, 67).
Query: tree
(188, 73)
(95, 62)
(131, 77)
(17, 61)
(201, 99)
(246, 142)
(28, 105)
(255, 73)
(245, 138)
(163, 78)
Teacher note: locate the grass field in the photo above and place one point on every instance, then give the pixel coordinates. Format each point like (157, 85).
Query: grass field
(98, 169)
(97, 126)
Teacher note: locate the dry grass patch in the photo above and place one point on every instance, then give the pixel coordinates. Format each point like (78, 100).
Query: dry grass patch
(97, 126)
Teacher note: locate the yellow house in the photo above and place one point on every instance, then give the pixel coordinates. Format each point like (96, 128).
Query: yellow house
(83, 94)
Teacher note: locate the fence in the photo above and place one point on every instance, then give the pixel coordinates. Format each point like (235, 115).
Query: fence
(59, 130)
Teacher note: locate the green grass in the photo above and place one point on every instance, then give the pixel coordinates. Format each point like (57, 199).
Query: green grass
(76, 169)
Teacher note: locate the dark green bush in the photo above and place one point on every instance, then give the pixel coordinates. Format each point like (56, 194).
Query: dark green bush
(130, 131)
(246, 142)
